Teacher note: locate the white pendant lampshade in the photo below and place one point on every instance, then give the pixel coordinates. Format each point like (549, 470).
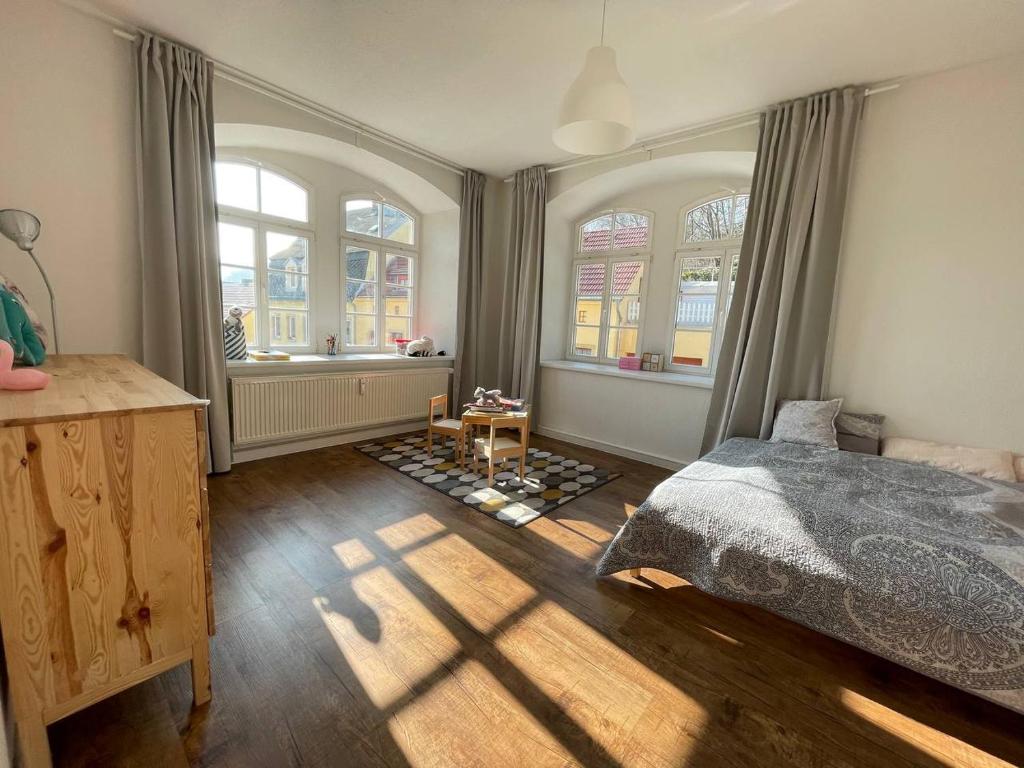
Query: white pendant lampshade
(597, 112)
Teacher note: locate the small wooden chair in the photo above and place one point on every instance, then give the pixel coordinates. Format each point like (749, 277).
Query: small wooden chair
(445, 427)
(494, 448)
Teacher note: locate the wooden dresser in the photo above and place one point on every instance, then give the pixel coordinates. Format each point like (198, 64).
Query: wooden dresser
(104, 539)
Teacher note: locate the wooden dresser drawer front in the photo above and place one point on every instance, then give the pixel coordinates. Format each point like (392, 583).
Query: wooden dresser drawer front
(104, 572)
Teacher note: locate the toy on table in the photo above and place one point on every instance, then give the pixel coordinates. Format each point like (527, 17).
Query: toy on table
(19, 378)
(491, 401)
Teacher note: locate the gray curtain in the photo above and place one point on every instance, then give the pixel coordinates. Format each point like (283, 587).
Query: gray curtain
(471, 264)
(182, 322)
(519, 333)
(777, 330)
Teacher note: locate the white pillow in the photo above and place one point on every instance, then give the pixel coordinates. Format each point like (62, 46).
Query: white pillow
(984, 462)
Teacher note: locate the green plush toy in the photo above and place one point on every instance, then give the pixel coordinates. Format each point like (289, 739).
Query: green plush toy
(17, 329)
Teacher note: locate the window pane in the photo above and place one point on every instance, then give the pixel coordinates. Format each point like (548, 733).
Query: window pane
(695, 311)
(590, 279)
(398, 225)
(236, 185)
(398, 301)
(711, 221)
(237, 244)
(740, 215)
(287, 252)
(397, 269)
(361, 331)
(360, 297)
(238, 289)
(287, 289)
(588, 310)
(585, 340)
(691, 347)
(625, 311)
(281, 197)
(363, 217)
(288, 327)
(631, 230)
(397, 328)
(360, 263)
(622, 342)
(596, 234)
(626, 276)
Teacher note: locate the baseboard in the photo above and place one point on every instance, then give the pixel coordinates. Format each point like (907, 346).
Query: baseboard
(255, 452)
(657, 460)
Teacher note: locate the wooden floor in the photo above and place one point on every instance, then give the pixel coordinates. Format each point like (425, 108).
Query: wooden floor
(365, 619)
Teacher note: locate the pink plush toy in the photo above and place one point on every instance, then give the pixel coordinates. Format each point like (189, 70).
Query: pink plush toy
(22, 378)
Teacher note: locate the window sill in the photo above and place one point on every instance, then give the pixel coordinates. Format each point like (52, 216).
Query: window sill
(658, 377)
(354, 361)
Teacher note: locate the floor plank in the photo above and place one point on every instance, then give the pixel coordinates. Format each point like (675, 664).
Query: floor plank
(365, 619)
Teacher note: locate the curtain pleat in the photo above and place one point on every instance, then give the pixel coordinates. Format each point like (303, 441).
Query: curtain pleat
(182, 319)
(776, 335)
(519, 332)
(470, 295)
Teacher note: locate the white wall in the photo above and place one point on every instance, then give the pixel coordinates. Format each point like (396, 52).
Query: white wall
(438, 247)
(929, 325)
(663, 422)
(67, 138)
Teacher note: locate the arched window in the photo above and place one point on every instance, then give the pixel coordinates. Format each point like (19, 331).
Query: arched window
(613, 253)
(379, 251)
(265, 249)
(707, 261)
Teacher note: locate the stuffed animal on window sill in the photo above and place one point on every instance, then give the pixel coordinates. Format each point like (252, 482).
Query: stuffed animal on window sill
(422, 347)
(234, 335)
(19, 379)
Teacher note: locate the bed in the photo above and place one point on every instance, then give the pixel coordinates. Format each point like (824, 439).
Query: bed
(919, 565)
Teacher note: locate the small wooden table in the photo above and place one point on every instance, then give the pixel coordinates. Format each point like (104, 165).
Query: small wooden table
(105, 570)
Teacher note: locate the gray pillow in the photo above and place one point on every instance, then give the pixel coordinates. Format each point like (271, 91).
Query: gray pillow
(860, 432)
(860, 424)
(807, 422)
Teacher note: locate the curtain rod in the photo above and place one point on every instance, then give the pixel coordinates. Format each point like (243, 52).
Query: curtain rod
(701, 131)
(253, 83)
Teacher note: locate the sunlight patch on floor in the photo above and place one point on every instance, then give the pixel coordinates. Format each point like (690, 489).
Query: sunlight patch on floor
(588, 530)
(353, 554)
(387, 665)
(410, 530)
(909, 730)
(444, 725)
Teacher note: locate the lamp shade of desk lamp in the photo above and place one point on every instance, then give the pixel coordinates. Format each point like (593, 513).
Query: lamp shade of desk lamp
(22, 228)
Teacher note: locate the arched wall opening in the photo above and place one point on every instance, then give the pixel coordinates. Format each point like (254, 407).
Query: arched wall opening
(655, 418)
(333, 170)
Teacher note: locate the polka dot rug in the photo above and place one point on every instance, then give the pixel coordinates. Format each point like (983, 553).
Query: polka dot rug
(550, 480)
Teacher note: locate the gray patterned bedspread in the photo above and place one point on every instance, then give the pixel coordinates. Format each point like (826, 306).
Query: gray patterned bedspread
(919, 565)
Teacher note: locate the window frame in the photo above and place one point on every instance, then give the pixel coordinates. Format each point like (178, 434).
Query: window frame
(609, 257)
(727, 249)
(383, 246)
(262, 275)
(261, 223)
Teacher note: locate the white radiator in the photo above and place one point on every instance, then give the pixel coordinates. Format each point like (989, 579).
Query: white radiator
(278, 408)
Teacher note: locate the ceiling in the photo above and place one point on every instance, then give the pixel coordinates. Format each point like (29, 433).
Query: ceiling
(480, 81)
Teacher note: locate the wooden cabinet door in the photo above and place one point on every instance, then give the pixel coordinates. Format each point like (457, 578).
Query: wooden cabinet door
(101, 560)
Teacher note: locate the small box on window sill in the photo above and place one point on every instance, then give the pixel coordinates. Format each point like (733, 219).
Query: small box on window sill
(652, 361)
(629, 363)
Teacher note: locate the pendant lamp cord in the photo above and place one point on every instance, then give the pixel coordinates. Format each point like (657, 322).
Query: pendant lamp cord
(604, 13)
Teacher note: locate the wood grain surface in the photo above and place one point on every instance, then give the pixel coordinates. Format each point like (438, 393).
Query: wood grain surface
(90, 386)
(363, 619)
(102, 573)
